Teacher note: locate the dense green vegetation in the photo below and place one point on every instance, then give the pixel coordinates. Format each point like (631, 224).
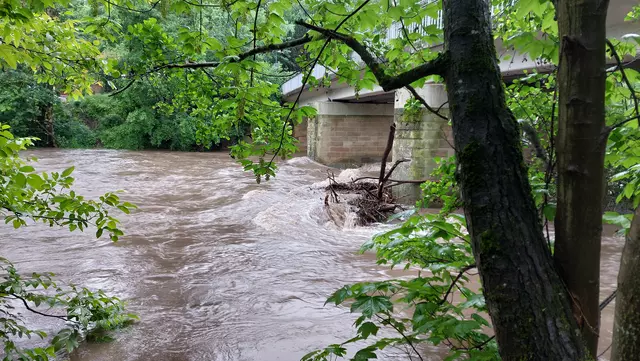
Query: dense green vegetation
(155, 113)
(189, 75)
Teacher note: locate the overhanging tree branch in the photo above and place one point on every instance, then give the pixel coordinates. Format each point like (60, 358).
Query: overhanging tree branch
(238, 58)
(388, 83)
(213, 64)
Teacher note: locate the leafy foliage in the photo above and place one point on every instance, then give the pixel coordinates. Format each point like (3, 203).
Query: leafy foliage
(26, 195)
(87, 314)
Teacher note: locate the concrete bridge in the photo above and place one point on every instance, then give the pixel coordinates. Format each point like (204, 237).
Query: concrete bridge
(351, 129)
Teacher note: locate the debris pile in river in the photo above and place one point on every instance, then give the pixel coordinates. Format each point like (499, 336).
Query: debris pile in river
(363, 199)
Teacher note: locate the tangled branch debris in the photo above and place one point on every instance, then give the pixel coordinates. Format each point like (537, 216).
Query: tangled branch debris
(360, 198)
(371, 201)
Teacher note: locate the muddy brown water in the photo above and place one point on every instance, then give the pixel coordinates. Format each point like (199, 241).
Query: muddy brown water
(216, 266)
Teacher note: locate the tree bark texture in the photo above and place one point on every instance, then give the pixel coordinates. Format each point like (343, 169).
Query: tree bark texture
(529, 306)
(581, 122)
(626, 324)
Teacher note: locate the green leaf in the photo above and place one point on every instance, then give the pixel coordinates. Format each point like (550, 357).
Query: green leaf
(67, 172)
(367, 329)
(618, 219)
(20, 179)
(395, 12)
(549, 211)
(364, 354)
(35, 181)
(371, 305)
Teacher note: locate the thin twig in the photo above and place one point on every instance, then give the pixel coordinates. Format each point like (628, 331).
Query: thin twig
(605, 350)
(153, 6)
(608, 300)
(26, 305)
(388, 321)
(213, 64)
(255, 35)
(305, 12)
(624, 76)
(424, 102)
(463, 270)
(306, 78)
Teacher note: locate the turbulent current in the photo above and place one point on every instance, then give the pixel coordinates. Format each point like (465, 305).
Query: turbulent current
(216, 266)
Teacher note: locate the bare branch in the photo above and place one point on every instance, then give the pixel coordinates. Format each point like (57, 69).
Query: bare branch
(463, 270)
(26, 305)
(419, 181)
(424, 102)
(623, 122)
(393, 167)
(383, 163)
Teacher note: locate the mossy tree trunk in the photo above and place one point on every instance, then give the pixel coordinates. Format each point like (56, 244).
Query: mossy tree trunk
(626, 324)
(581, 146)
(529, 307)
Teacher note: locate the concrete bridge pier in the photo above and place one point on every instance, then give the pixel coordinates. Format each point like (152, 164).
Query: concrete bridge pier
(420, 136)
(348, 134)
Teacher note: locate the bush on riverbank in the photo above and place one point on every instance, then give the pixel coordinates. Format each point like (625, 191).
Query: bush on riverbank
(132, 121)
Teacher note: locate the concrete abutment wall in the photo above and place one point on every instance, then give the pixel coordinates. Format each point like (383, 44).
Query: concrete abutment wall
(348, 134)
(420, 137)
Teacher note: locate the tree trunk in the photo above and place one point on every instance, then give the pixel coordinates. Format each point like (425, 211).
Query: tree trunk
(47, 115)
(529, 307)
(581, 122)
(626, 324)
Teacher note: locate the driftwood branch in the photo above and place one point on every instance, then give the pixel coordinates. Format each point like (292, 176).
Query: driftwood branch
(385, 156)
(393, 167)
(410, 181)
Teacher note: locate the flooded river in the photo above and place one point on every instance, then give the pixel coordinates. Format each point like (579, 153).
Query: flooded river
(216, 266)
